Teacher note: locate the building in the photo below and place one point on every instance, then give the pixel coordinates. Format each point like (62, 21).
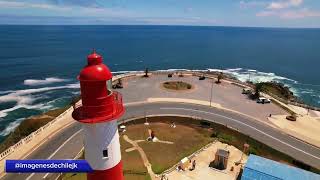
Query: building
(98, 113)
(259, 168)
(221, 159)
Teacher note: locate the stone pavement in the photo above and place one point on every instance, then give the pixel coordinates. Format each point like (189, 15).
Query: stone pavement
(204, 158)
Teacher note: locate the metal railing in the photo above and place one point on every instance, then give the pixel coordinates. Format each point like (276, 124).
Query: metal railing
(30, 137)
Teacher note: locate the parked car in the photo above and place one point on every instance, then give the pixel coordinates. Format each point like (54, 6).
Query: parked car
(263, 100)
(202, 78)
(246, 91)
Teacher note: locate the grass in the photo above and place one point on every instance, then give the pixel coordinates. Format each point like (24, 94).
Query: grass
(161, 157)
(133, 167)
(177, 85)
(189, 136)
(30, 125)
(187, 139)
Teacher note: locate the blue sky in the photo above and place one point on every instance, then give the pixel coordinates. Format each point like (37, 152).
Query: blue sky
(258, 13)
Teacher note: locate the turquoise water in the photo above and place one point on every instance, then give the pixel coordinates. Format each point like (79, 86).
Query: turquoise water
(39, 64)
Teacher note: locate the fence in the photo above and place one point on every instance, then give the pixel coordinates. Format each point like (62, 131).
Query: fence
(30, 137)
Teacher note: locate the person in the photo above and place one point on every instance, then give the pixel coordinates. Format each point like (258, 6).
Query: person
(152, 135)
(193, 164)
(270, 115)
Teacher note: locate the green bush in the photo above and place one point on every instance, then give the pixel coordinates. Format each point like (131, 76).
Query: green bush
(253, 150)
(226, 138)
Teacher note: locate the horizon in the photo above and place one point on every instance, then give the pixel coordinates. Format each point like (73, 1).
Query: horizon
(168, 25)
(245, 13)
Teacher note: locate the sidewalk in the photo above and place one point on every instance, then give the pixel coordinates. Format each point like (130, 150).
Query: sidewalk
(306, 128)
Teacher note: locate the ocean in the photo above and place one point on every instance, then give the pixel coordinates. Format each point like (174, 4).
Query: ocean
(39, 64)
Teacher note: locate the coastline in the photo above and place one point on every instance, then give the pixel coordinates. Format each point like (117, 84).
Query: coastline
(12, 140)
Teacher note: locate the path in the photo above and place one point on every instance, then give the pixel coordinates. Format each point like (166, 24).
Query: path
(143, 156)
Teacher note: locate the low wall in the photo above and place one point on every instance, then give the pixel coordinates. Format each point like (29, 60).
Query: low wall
(33, 135)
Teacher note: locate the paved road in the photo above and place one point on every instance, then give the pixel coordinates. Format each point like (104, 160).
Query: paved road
(68, 142)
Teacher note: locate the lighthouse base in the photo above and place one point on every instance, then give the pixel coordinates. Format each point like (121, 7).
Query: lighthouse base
(114, 173)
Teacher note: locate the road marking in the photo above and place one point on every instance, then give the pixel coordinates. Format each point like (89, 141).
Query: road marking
(55, 152)
(247, 126)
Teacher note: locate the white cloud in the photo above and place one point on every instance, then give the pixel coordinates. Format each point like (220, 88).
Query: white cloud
(66, 10)
(251, 4)
(284, 4)
(290, 14)
(16, 4)
(288, 9)
(178, 21)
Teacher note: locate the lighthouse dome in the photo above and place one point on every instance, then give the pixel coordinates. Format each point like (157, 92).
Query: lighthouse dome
(95, 70)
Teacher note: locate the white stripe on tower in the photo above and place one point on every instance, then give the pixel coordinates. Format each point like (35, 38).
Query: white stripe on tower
(99, 137)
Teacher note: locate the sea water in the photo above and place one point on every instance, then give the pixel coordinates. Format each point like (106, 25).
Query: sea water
(39, 64)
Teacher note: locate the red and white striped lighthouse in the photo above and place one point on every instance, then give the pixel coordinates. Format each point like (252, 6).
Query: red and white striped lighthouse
(100, 109)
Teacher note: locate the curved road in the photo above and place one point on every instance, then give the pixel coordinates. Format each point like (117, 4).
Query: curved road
(67, 143)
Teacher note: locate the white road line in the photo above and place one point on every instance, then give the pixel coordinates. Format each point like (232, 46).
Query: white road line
(55, 152)
(247, 126)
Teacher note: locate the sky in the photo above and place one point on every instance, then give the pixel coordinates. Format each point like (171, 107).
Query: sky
(249, 13)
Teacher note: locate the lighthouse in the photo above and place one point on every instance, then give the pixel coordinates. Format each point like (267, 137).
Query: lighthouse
(99, 111)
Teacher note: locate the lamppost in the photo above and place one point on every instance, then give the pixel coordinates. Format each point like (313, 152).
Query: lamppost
(211, 91)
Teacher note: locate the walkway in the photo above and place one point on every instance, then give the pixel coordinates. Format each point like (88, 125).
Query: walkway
(143, 156)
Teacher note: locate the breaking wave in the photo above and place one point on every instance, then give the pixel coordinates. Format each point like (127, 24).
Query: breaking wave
(253, 75)
(25, 98)
(11, 127)
(37, 82)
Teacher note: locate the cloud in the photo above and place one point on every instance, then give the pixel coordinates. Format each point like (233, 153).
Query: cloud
(178, 21)
(83, 3)
(18, 4)
(288, 9)
(290, 14)
(251, 4)
(283, 4)
(68, 10)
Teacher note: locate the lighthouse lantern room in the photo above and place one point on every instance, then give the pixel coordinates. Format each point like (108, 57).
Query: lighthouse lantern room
(98, 113)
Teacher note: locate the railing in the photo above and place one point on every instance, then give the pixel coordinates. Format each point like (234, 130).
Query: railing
(30, 137)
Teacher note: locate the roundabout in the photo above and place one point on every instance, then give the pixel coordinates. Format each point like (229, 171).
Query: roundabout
(177, 85)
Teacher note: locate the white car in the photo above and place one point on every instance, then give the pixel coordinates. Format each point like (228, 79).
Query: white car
(263, 100)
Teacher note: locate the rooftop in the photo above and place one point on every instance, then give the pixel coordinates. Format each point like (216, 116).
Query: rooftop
(261, 168)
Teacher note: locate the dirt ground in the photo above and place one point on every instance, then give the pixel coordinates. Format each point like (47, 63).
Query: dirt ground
(203, 159)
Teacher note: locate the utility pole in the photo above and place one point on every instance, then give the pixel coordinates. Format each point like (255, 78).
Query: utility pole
(211, 91)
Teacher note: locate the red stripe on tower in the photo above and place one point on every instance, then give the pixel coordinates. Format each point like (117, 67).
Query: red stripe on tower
(98, 113)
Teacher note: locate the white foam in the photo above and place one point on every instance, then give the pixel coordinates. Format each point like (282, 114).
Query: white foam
(24, 98)
(125, 72)
(11, 127)
(252, 75)
(37, 82)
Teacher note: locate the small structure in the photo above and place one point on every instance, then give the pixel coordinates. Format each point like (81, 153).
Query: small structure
(184, 163)
(261, 168)
(221, 159)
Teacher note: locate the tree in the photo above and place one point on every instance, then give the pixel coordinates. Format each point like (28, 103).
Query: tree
(146, 73)
(258, 88)
(220, 76)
